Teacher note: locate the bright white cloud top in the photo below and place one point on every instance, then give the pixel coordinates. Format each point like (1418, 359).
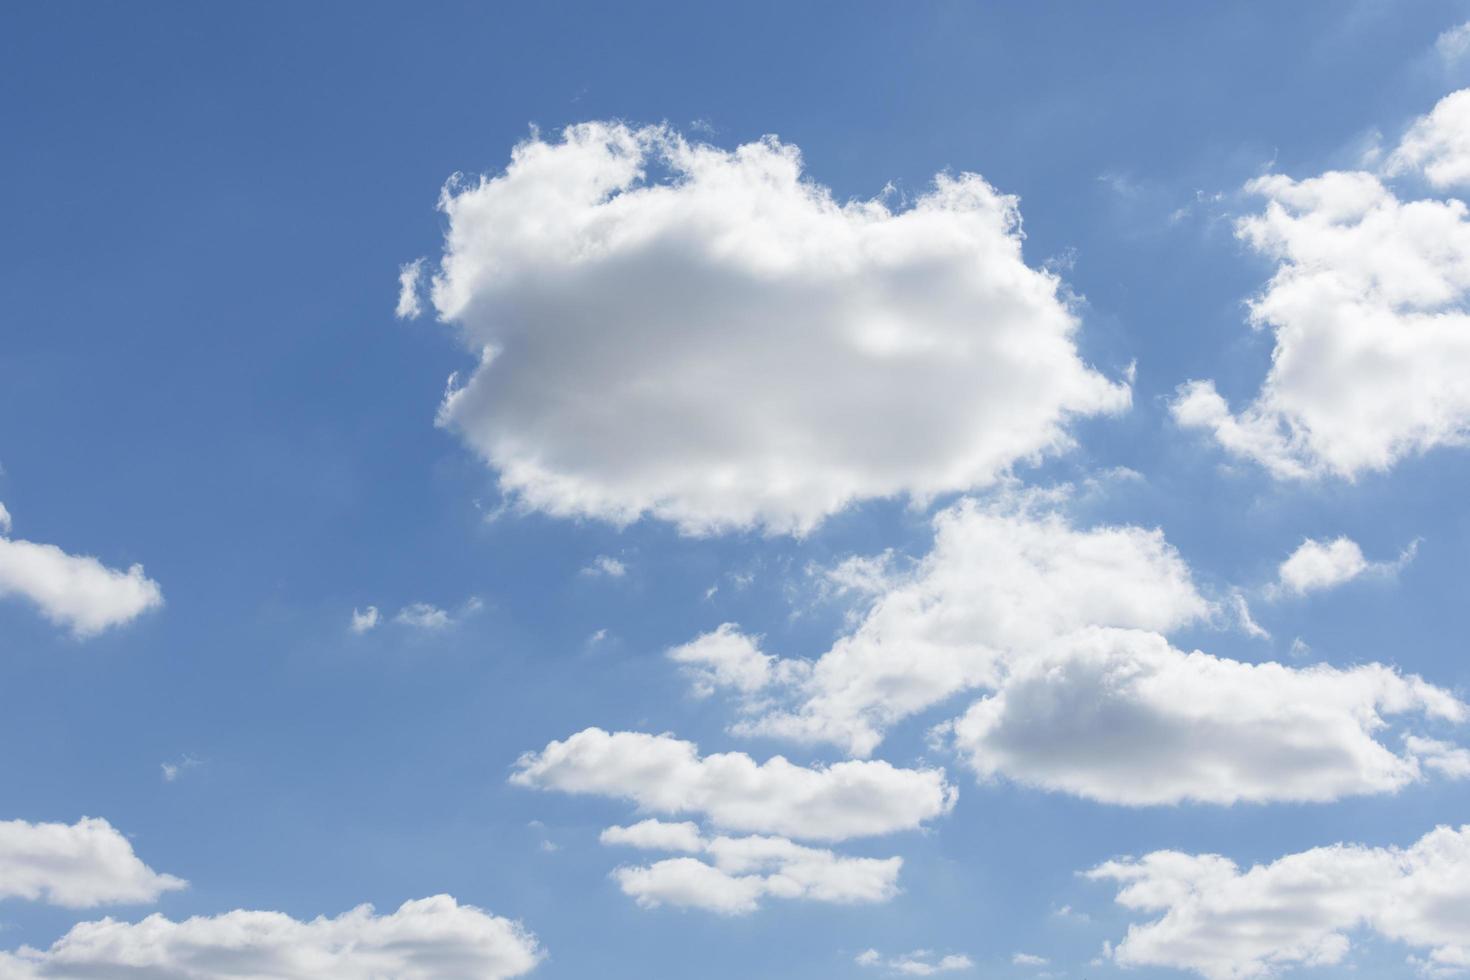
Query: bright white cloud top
(741, 871)
(1368, 309)
(75, 591)
(78, 865)
(666, 775)
(652, 317)
(919, 963)
(1300, 910)
(428, 939)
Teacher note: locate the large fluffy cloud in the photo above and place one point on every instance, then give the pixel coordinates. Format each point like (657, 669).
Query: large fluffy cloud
(76, 865)
(429, 939)
(76, 591)
(710, 337)
(1000, 582)
(1121, 716)
(1368, 309)
(663, 774)
(1300, 910)
(743, 870)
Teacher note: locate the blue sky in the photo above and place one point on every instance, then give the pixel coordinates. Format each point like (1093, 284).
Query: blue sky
(751, 382)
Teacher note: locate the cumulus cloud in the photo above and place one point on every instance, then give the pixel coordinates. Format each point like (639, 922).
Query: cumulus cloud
(1121, 716)
(76, 591)
(666, 775)
(1029, 959)
(743, 870)
(1319, 565)
(422, 615)
(1438, 145)
(1000, 582)
(78, 865)
(1300, 910)
(428, 939)
(919, 963)
(1453, 43)
(1367, 307)
(364, 620)
(650, 315)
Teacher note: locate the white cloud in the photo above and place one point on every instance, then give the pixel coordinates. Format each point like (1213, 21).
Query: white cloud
(1029, 959)
(1318, 565)
(1300, 910)
(650, 316)
(76, 865)
(657, 835)
(1000, 582)
(744, 870)
(364, 620)
(75, 591)
(422, 615)
(409, 276)
(919, 963)
(663, 774)
(1452, 761)
(173, 770)
(1438, 145)
(727, 658)
(606, 566)
(1367, 306)
(1453, 43)
(428, 939)
(1121, 716)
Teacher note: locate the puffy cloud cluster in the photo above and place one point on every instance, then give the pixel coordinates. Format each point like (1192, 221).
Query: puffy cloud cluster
(1368, 309)
(78, 865)
(663, 774)
(1063, 629)
(650, 316)
(1300, 910)
(428, 939)
(75, 591)
(1000, 582)
(740, 871)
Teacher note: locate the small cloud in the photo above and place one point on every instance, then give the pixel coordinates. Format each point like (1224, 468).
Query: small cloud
(1243, 619)
(1299, 648)
(1069, 914)
(173, 770)
(919, 963)
(605, 566)
(1027, 959)
(4, 520)
(409, 275)
(364, 619)
(1316, 566)
(421, 615)
(1452, 45)
(597, 637)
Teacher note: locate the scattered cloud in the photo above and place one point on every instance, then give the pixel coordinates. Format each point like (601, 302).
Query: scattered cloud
(605, 566)
(78, 865)
(1300, 910)
(1028, 959)
(919, 963)
(426, 616)
(426, 939)
(663, 774)
(648, 314)
(1001, 581)
(1453, 43)
(741, 871)
(173, 770)
(75, 591)
(364, 620)
(1367, 307)
(409, 276)
(1316, 566)
(1121, 716)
